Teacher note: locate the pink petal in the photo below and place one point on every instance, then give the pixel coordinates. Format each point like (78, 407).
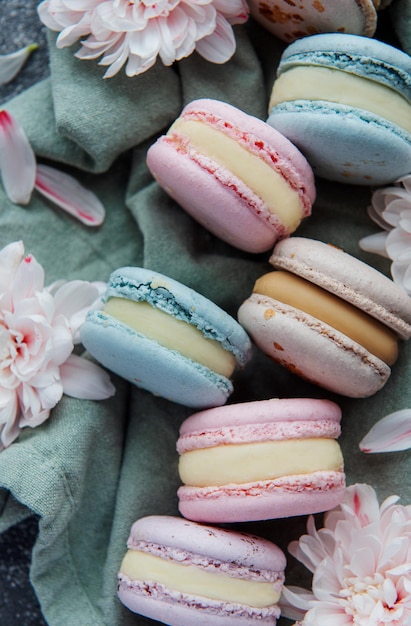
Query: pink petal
(220, 46)
(236, 11)
(295, 601)
(67, 193)
(17, 160)
(11, 64)
(9, 429)
(28, 280)
(390, 434)
(85, 380)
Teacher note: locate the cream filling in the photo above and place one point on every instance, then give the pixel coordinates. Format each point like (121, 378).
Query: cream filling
(195, 581)
(321, 83)
(334, 311)
(249, 462)
(172, 333)
(265, 182)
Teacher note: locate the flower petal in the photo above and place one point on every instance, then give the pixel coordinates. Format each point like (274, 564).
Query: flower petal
(67, 193)
(220, 46)
(375, 244)
(85, 380)
(17, 160)
(390, 434)
(11, 64)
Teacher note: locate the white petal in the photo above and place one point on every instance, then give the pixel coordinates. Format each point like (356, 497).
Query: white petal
(9, 429)
(220, 46)
(375, 244)
(17, 160)
(85, 380)
(236, 11)
(67, 193)
(11, 64)
(29, 279)
(390, 434)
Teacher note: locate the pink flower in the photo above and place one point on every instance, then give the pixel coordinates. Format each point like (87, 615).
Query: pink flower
(38, 329)
(361, 565)
(21, 175)
(136, 32)
(391, 210)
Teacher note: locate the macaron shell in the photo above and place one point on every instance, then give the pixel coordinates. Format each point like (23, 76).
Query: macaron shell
(368, 58)
(291, 337)
(241, 549)
(285, 497)
(148, 365)
(213, 195)
(290, 21)
(347, 277)
(179, 614)
(344, 144)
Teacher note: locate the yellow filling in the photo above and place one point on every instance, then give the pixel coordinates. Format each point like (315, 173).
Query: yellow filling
(266, 183)
(321, 83)
(359, 326)
(248, 462)
(192, 580)
(172, 334)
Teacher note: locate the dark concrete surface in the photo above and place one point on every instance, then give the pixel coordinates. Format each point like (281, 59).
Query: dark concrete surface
(20, 26)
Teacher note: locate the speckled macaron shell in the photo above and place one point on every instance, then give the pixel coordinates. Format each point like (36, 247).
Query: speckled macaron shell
(348, 278)
(342, 142)
(293, 20)
(151, 366)
(311, 348)
(198, 545)
(212, 194)
(253, 422)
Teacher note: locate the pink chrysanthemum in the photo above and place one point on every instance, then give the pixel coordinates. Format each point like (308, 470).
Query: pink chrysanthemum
(361, 565)
(391, 210)
(38, 329)
(136, 32)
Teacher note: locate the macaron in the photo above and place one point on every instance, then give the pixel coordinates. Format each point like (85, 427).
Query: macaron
(261, 460)
(292, 20)
(234, 174)
(345, 102)
(166, 338)
(328, 317)
(182, 573)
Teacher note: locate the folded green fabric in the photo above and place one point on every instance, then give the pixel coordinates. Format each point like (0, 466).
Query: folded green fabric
(95, 467)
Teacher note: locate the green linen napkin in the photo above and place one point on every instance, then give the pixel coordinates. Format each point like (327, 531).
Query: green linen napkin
(95, 467)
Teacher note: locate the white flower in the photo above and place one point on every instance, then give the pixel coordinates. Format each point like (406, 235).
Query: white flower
(136, 32)
(391, 210)
(21, 174)
(11, 64)
(391, 433)
(38, 329)
(361, 565)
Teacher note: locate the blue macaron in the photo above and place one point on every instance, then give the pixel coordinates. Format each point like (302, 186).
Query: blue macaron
(345, 102)
(166, 338)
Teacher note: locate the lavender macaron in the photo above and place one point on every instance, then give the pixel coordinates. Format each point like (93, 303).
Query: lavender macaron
(182, 573)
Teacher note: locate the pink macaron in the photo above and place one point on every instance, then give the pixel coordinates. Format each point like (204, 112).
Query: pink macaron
(261, 460)
(233, 173)
(328, 317)
(182, 573)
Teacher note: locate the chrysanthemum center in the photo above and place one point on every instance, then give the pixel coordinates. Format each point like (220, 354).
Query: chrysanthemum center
(372, 595)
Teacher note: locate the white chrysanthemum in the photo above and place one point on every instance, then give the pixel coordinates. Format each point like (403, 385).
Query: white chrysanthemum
(391, 210)
(38, 329)
(136, 32)
(361, 565)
